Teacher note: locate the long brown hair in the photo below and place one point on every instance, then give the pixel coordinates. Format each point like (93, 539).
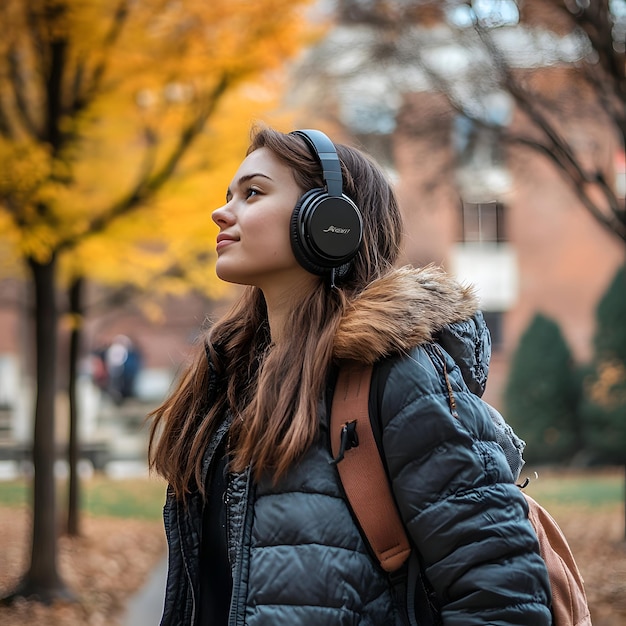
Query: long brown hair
(273, 392)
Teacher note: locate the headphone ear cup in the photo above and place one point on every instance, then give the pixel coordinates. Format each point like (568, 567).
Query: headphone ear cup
(325, 232)
(298, 238)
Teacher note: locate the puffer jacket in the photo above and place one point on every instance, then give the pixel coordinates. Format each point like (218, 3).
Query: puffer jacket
(297, 555)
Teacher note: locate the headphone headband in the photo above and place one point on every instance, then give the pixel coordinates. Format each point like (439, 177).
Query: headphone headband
(324, 150)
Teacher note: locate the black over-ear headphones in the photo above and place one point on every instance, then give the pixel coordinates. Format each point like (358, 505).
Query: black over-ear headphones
(326, 226)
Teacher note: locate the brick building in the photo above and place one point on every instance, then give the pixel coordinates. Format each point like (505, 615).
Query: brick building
(527, 242)
(424, 100)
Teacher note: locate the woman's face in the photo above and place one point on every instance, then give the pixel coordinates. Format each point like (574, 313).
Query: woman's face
(253, 245)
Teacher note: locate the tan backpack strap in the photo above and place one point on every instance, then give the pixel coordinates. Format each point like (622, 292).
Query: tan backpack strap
(361, 468)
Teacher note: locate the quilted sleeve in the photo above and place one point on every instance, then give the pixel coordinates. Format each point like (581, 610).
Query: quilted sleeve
(457, 497)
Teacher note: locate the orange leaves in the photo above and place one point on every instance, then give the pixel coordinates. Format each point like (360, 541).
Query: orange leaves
(608, 388)
(193, 44)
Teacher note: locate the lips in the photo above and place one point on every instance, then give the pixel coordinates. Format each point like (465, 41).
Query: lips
(223, 240)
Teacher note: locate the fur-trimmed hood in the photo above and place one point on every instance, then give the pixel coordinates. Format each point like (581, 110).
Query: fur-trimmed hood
(401, 310)
(409, 307)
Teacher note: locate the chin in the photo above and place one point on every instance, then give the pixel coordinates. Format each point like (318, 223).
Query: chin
(236, 278)
(225, 271)
(228, 278)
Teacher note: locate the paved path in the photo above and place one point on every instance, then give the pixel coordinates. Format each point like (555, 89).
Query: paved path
(145, 608)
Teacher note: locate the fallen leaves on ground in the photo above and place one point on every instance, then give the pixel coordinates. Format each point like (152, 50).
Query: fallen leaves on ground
(104, 567)
(596, 537)
(114, 557)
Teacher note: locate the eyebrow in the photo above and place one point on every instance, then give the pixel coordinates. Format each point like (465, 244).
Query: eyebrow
(244, 179)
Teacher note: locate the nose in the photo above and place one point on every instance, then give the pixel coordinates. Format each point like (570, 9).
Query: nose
(223, 217)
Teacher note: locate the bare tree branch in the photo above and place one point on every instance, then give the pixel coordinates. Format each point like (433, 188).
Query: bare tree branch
(610, 221)
(558, 149)
(606, 73)
(605, 66)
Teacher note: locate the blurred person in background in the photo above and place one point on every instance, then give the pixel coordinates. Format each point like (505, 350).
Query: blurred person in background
(115, 368)
(258, 526)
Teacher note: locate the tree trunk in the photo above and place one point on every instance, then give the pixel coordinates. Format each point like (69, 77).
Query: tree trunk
(73, 505)
(42, 580)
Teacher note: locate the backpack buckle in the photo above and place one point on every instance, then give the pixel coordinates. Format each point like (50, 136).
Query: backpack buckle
(349, 439)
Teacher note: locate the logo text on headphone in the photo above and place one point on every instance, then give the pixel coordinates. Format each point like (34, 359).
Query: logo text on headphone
(336, 229)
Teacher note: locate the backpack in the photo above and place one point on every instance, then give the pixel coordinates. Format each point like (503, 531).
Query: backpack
(367, 488)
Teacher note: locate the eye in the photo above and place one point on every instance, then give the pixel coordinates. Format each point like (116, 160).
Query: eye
(251, 192)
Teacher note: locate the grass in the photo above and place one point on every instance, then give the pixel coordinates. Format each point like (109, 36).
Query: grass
(138, 498)
(143, 498)
(592, 488)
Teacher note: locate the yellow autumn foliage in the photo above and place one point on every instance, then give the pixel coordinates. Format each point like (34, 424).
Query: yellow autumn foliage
(116, 167)
(26, 167)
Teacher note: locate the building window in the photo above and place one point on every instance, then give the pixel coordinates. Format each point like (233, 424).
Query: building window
(477, 146)
(481, 170)
(482, 222)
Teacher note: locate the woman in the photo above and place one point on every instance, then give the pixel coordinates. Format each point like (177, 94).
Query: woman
(259, 530)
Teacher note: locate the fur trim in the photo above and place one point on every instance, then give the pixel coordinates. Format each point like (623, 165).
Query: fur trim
(401, 310)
